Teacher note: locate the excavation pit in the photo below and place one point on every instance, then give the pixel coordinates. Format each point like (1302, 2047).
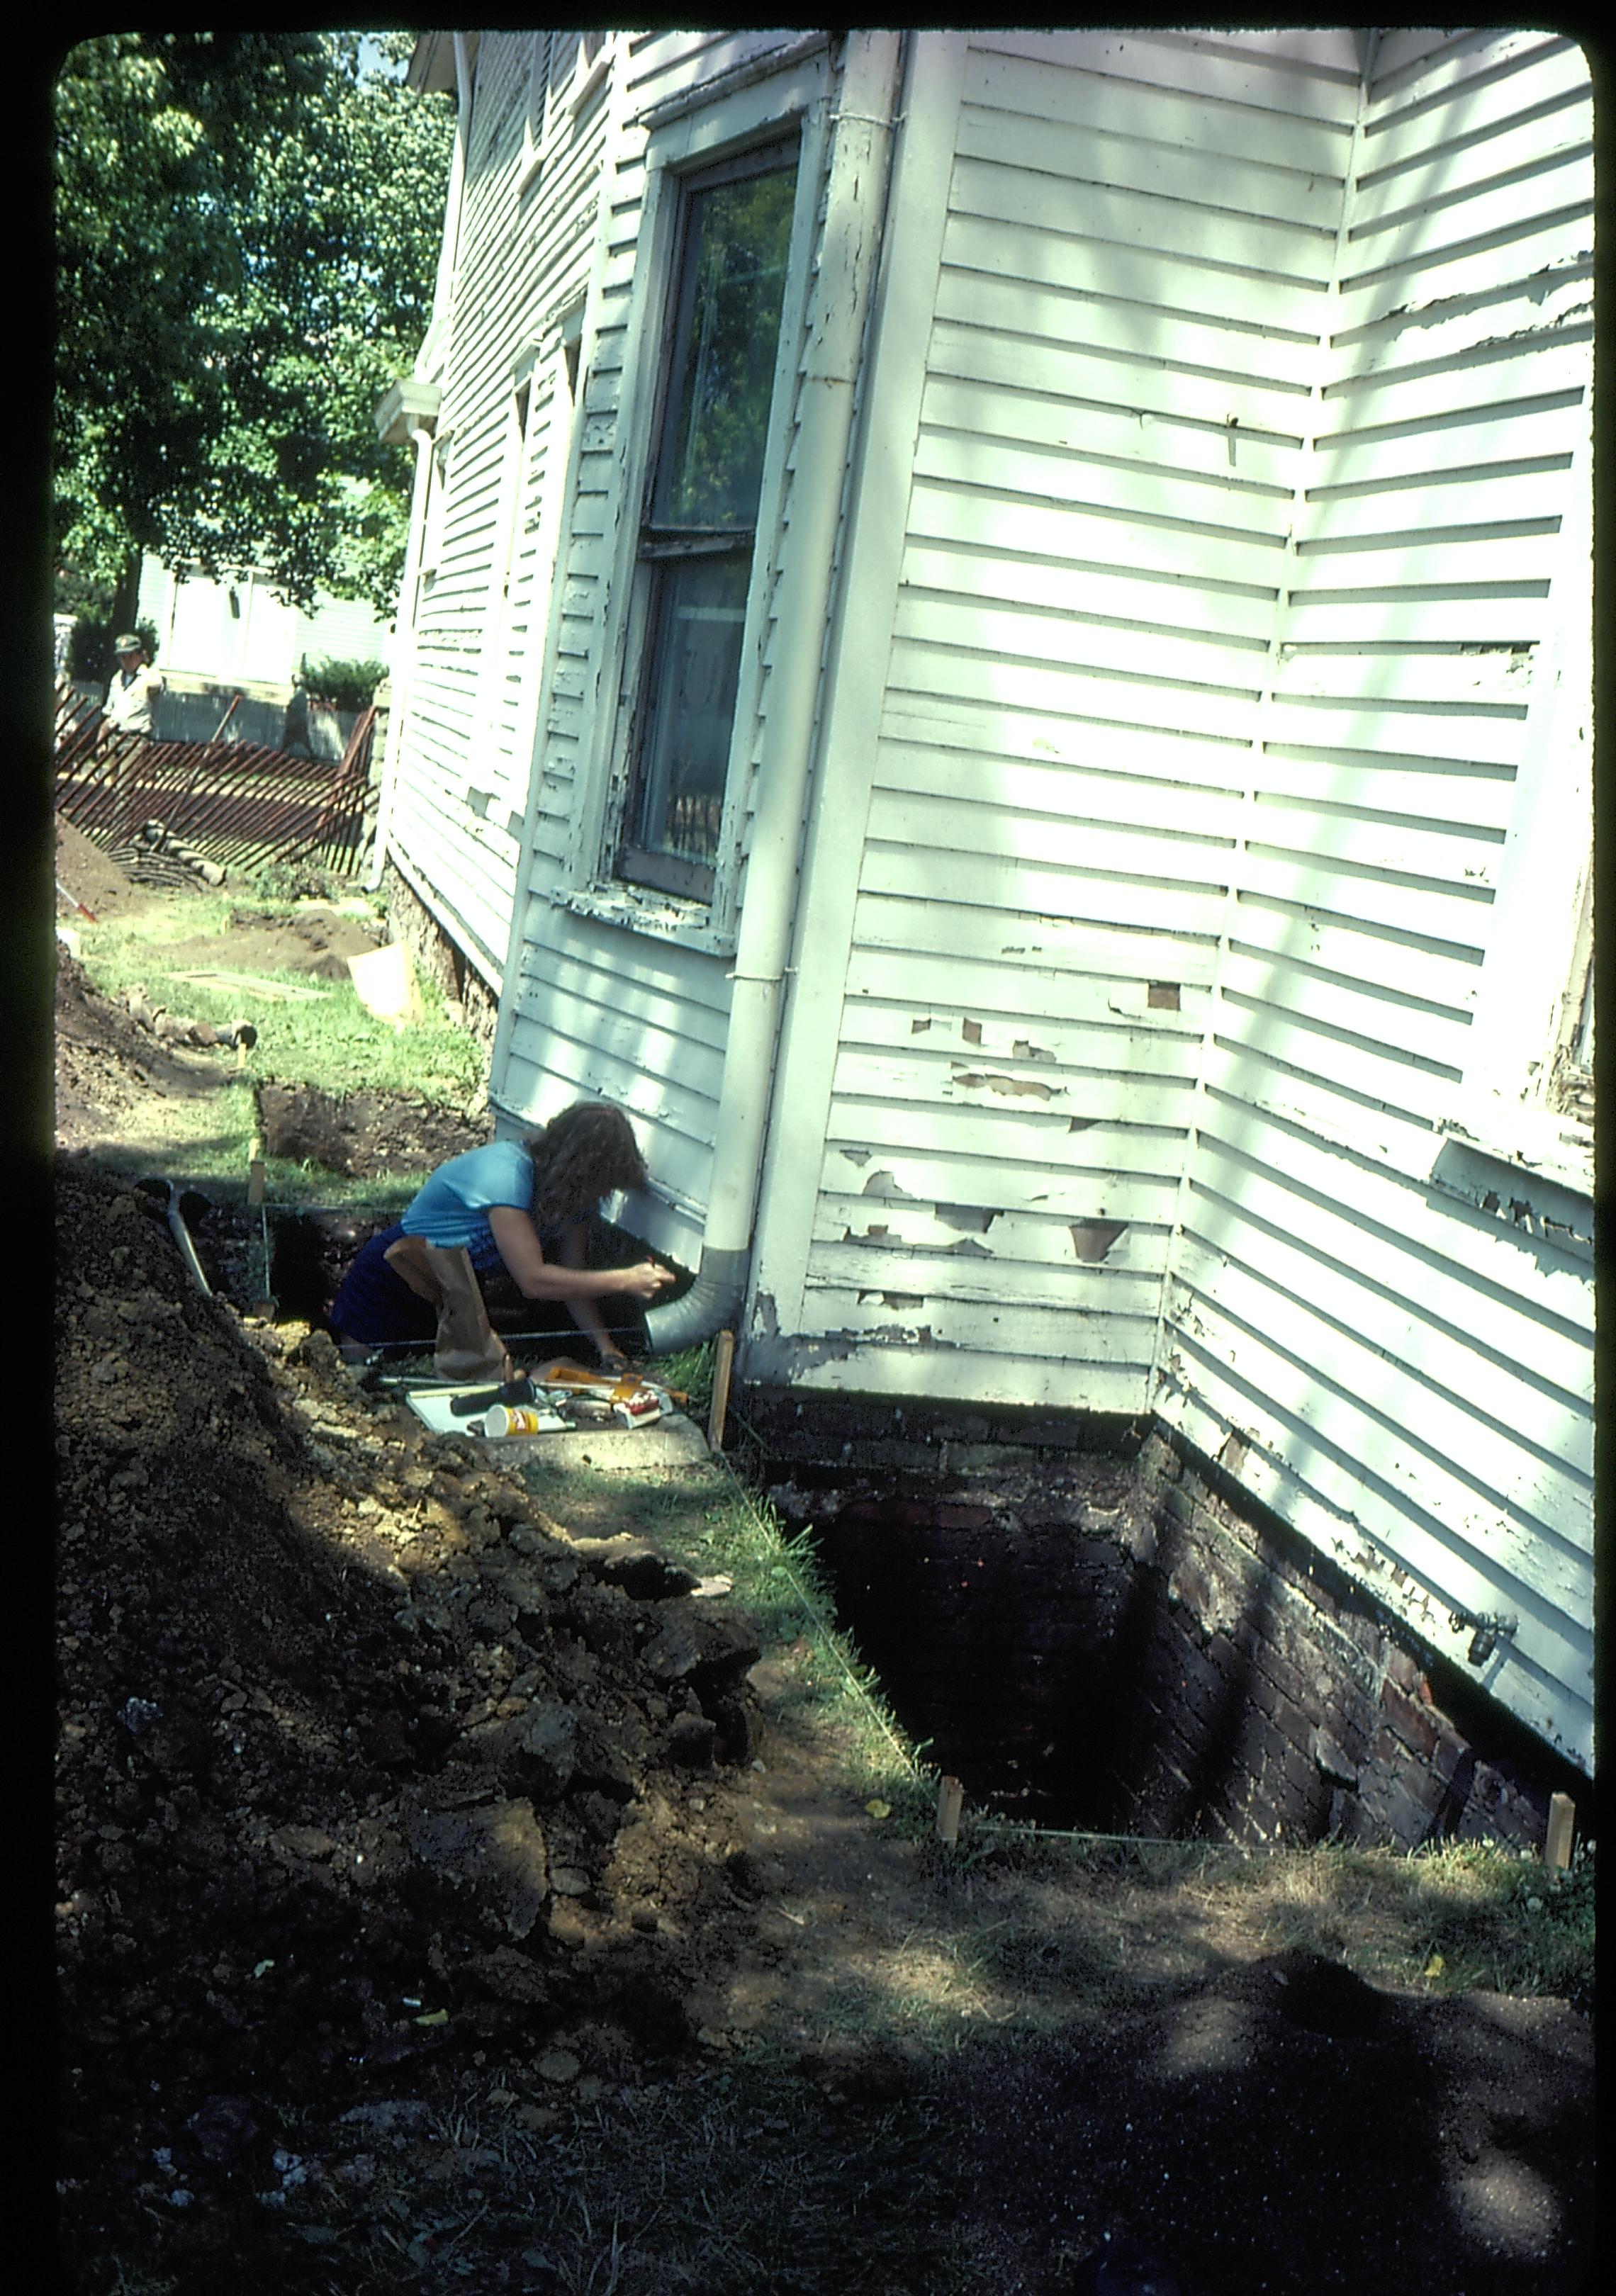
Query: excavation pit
(1109, 1641)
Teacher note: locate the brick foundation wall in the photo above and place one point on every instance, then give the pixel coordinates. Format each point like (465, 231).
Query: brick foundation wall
(1337, 1724)
(1126, 1644)
(470, 999)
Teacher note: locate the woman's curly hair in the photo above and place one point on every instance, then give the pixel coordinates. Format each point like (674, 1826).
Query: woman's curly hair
(586, 1153)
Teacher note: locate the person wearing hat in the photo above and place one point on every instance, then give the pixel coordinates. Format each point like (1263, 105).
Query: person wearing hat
(135, 688)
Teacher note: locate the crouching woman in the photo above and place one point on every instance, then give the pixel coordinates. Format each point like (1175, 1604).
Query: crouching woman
(521, 1209)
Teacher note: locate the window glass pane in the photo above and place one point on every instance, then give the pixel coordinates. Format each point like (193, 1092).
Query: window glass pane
(731, 279)
(690, 700)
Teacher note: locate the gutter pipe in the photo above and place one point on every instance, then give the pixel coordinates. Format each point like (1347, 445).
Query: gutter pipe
(177, 1203)
(858, 174)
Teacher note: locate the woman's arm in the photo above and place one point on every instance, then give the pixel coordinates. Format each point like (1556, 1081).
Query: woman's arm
(538, 1278)
(571, 1248)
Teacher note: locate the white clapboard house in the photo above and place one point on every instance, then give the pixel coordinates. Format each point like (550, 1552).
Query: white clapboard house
(997, 643)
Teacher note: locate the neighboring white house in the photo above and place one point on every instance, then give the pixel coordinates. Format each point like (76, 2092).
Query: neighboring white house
(997, 643)
(234, 631)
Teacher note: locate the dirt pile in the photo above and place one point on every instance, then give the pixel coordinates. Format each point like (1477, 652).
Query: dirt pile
(90, 876)
(110, 1070)
(364, 1762)
(365, 1135)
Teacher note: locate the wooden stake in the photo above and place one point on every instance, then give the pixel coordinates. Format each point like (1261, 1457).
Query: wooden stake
(950, 1801)
(1557, 1843)
(723, 1364)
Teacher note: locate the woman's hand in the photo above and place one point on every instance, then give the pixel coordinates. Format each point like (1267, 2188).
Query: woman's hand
(644, 1281)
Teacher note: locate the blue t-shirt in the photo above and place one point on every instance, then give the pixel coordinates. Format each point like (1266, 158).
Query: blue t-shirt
(452, 1207)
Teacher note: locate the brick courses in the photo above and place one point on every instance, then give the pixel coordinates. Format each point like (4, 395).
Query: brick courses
(1136, 1648)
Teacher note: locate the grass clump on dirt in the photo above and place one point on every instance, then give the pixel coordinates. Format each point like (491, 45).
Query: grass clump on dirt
(1099, 1921)
(723, 1528)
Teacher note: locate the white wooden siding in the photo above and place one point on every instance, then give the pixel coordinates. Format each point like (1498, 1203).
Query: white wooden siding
(1408, 1379)
(667, 1068)
(1187, 702)
(465, 750)
(1103, 484)
(1232, 544)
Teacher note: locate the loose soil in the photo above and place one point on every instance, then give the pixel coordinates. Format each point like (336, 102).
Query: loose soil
(433, 1860)
(113, 1077)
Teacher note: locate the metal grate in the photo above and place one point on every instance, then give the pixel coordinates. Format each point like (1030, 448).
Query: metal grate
(235, 803)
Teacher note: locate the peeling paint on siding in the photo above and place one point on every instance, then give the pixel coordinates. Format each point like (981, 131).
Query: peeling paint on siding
(1092, 1240)
(972, 1218)
(882, 1184)
(1006, 1086)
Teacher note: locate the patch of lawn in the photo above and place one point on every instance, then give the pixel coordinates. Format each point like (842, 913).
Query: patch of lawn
(313, 1032)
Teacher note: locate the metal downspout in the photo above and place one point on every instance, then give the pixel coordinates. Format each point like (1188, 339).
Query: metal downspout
(405, 680)
(177, 1204)
(857, 177)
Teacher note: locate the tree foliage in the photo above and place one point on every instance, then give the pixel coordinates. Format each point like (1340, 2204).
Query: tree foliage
(246, 231)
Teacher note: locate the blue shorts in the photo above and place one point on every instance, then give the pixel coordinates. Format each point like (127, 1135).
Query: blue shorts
(375, 1304)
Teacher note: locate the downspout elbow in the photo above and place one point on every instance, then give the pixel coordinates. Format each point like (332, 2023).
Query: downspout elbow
(711, 1306)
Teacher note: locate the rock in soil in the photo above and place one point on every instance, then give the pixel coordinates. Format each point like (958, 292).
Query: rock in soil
(297, 1648)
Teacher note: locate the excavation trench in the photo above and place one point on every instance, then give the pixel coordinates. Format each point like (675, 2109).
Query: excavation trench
(1085, 1626)
(294, 1258)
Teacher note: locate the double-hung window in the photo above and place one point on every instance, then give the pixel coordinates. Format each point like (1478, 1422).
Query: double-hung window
(699, 524)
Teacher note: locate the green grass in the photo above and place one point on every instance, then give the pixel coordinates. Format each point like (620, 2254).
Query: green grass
(325, 1038)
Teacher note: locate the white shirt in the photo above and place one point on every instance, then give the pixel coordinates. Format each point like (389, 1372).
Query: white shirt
(130, 697)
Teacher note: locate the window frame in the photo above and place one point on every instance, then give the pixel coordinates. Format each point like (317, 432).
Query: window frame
(663, 547)
(779, 96)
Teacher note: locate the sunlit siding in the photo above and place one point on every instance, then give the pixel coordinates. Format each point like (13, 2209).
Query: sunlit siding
(526, 240)
(1405, 1375)
(599, 1009)
(1116, 382)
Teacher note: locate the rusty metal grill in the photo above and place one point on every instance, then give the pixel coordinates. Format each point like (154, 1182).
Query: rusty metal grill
(232, 802)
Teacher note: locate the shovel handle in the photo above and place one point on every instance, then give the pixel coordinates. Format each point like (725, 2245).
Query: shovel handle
(514, 1390)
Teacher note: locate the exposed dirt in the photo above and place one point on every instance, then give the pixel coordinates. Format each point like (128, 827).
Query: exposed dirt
(112, 1076)
(318, 938)
(115, 1065)
(372, 1773)
(85, 874)
(362, 1134)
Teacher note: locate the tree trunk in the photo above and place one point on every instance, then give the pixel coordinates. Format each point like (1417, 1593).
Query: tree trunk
(126, 597)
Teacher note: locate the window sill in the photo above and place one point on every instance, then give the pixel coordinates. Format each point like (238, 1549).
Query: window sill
(658, 916)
